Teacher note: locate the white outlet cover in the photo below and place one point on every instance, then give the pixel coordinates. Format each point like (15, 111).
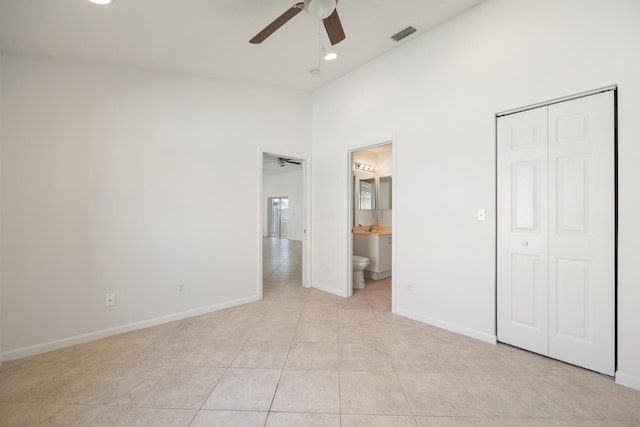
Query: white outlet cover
(109, 300)
(482, 214)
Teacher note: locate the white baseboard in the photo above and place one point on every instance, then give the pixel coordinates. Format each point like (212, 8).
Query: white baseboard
(627, 380)
(329, 290)
(377, 275)
(104, 333)
(472, 333)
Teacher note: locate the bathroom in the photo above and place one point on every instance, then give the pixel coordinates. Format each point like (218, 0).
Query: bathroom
(372, 216)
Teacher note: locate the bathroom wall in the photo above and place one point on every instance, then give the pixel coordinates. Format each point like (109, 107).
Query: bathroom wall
(384, 161)
(382, 158)
(364, 216)
(133, 182)
(445, 88)
(385, 168)
(285, 184)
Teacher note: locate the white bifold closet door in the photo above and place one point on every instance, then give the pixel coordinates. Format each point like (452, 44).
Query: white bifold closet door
(556, 231)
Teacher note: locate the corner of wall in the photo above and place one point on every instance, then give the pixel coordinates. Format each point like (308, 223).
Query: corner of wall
(328, 290)
(627, 380)
(451, 327)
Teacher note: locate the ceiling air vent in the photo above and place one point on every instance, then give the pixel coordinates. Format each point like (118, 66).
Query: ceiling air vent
(403, 33)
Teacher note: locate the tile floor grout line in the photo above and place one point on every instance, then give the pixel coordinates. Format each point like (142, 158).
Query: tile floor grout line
(473, 397)
(339, 368)
(273, 398)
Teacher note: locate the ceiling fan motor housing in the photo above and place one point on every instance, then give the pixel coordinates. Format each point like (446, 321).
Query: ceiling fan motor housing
(320, 8)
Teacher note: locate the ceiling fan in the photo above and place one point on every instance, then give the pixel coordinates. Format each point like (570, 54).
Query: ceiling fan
(324, 9)
(282, 161)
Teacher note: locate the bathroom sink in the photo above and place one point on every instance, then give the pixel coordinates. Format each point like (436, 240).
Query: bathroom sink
(378, 230)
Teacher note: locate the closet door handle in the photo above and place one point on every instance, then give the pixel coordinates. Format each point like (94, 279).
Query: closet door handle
(525, 243)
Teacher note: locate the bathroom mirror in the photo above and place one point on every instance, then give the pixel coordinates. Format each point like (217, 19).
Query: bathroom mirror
(384, 192)
(367, 194)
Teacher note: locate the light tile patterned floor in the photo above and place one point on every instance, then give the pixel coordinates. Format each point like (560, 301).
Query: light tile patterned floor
(302, 357)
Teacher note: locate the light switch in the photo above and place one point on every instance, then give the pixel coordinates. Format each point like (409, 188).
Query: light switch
(482, 214)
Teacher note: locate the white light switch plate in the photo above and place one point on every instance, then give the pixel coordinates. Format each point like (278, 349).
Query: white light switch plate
(482, 214)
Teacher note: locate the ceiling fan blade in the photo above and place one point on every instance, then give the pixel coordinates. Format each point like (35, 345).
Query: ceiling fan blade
(334, 28)
(285, 160)
(277, 23)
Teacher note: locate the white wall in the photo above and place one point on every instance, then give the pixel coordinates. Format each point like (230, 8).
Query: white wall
(288, 184)
(438, 95)
(129, 181)
(1, 331)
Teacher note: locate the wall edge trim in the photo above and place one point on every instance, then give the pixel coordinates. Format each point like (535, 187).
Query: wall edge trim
(33, 350)
(471, 333)
(328, 290)
(627, 380)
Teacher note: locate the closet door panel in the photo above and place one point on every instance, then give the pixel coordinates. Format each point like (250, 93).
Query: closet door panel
(522, 230)
(582, 232)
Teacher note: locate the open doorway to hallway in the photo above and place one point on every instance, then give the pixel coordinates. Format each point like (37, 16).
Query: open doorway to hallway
(283, 222)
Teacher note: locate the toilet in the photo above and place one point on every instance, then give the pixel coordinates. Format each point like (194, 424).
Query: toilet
(359, 264)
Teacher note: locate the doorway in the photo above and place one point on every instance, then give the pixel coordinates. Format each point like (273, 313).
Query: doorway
(284, 243)
(372, 198)
(556, 257)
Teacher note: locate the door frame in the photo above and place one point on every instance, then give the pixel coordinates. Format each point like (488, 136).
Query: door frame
(610, 88)
(306, 214)
(348, 217)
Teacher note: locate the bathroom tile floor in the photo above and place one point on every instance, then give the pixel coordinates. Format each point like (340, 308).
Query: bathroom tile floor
(302, 357)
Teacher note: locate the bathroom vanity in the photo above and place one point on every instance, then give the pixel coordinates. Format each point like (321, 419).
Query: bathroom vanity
(375, 245)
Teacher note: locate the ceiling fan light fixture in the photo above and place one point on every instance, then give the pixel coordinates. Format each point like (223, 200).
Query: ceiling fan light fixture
(101, 2)
(320, 8)
(330, 56)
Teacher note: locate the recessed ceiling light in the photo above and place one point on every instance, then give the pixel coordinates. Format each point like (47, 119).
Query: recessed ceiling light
(330, 56)
(100, 1)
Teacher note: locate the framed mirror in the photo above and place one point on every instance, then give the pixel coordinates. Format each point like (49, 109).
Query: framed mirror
(368, 194)
(384, 192)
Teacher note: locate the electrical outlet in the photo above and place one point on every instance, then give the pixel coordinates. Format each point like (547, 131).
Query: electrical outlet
(109, 300)
(409, 288)
(180, 289)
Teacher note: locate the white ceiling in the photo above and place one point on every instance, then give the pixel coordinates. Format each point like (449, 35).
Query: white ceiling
(211, 37)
